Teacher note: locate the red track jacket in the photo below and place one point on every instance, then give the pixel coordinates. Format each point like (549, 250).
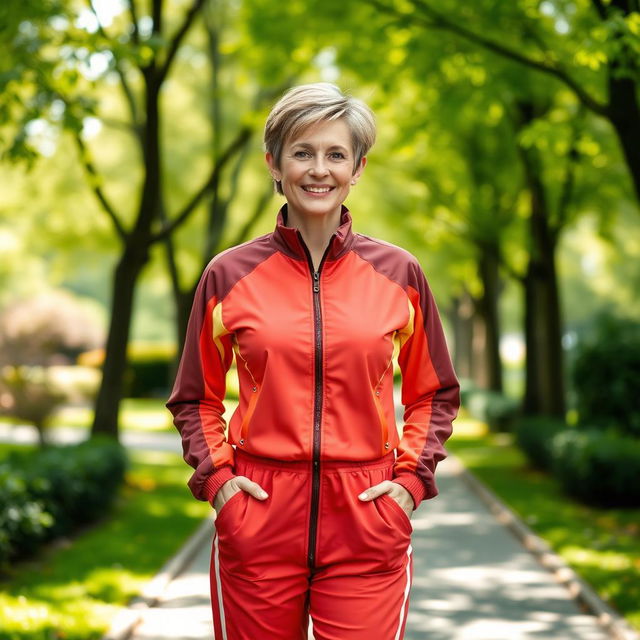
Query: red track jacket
(314, 353)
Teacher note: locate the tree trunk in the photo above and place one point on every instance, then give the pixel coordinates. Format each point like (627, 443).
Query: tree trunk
(487, 305)
(40, 428)
(479, 368)
(107, 406)
(625, 118)
(544, 378)
(461, 318)
(133, 260)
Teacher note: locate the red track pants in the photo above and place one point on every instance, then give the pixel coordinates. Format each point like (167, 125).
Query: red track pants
(262, 585)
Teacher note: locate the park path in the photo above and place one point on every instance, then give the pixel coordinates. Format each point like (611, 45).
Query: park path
(473, 580)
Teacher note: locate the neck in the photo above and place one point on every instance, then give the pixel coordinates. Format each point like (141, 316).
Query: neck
(316, 230)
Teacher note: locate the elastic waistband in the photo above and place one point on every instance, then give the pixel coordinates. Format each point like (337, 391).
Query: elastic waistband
(306, 466)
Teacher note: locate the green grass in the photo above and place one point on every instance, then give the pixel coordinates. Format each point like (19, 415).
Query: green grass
(72, 590)
(136, 414)
(602, 546)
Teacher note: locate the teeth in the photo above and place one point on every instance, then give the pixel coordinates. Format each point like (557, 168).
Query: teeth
(317, 189)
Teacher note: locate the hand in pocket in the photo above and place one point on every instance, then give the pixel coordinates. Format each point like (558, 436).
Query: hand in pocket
(231, 487)
(394, 490)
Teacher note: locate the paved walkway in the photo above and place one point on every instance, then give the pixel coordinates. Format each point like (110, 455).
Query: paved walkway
(473, 580)
(148, 440)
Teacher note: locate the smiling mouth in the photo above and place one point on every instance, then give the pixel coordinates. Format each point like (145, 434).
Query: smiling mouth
(317, 189)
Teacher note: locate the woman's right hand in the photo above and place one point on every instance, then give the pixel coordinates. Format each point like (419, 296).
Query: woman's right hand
(231, 487)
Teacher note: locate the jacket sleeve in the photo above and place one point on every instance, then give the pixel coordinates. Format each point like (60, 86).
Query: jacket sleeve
(430, 392)
(196, 400)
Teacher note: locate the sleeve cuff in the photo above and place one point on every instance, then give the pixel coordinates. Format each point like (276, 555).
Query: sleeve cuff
(414, 486)
(213, 483)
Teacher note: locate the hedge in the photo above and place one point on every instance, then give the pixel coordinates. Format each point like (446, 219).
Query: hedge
(47, 493)
(498, 410)
(606, 376)
(149, 371)
(598, 467)
(535, 437)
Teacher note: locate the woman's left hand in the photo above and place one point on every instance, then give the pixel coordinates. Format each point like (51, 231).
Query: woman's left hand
(395, 491)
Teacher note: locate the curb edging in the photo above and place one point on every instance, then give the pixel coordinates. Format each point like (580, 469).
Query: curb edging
(128, 618)
(580, 591)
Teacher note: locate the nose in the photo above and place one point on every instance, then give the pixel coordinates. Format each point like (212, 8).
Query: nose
(319, 166)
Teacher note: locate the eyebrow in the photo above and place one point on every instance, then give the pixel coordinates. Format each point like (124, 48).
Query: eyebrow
(306, 145)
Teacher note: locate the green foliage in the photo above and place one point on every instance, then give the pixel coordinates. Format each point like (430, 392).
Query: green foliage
(535, 437)
(47, 493)
(598, 467)
(496, 409)
(74, 591)
(149, 371)
(607, 376)
(23, 518)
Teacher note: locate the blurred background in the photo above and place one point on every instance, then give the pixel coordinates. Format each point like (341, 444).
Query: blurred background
(507, 161)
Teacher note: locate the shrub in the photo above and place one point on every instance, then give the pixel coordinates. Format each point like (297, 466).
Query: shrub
(606, 376)
(149, 368)
(47, 493)
(598, 467)
(29, 393)
(34, 335)
(535, 437)
(148, 377)
(496, 409)
(50, 328)
(23, 519)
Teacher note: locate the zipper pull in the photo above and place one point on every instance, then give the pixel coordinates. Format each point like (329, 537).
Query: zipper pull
(316, 285)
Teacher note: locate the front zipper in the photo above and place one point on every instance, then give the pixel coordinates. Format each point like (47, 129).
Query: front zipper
(317, 401)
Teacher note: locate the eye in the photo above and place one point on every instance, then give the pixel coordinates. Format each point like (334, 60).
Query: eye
(301, 154)
(337, 155)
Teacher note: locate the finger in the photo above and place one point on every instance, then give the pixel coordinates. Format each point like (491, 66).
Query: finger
(252, 488)
(375, 491)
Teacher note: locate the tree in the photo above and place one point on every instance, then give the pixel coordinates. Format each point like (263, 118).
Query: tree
(437, 67)
(592, 48)
(141, 55)
(138, 239)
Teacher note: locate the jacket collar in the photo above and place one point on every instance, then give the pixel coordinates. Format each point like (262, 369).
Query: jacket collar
(289, 239)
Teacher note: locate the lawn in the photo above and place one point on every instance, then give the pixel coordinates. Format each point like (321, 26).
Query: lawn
(136, 414)
(602, 546)
(72, 590)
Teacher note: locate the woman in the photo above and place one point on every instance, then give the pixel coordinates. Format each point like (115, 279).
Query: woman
(312, 485)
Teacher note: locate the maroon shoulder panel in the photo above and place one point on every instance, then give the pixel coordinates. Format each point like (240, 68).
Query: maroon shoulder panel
(230, 266)
(387, 259)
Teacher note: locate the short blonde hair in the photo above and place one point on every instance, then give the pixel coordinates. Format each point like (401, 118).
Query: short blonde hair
(307, 104)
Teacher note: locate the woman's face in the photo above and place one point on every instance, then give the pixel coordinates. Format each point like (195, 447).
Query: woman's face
(316, 169)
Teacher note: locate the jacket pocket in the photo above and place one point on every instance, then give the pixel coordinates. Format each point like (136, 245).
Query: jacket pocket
(384, 426)
(248, 414)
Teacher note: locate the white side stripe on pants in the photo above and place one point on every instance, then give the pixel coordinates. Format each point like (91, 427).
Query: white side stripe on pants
(216, 564)
(406, 592)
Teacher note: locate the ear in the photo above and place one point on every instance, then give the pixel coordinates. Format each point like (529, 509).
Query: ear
(273, 169)
(359, 169)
